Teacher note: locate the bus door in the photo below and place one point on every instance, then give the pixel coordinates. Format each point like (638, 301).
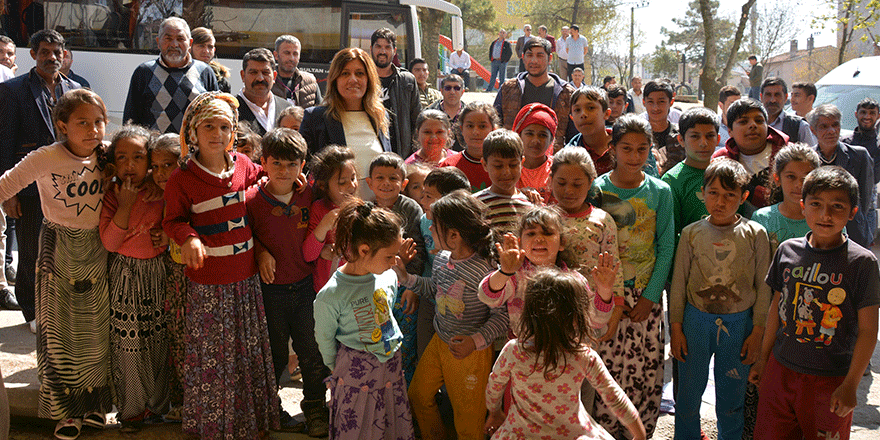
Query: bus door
(364, 19)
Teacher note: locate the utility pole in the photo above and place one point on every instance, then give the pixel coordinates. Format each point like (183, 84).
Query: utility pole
(632, 34)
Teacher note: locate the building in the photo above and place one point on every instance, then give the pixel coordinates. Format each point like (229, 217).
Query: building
(808, 64)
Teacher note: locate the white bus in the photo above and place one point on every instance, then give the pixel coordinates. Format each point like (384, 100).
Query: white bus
(109, 38)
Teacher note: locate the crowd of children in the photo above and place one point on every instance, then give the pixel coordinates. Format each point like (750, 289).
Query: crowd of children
(186, 271)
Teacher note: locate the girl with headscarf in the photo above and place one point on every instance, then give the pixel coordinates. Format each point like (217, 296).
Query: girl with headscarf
(229, 383)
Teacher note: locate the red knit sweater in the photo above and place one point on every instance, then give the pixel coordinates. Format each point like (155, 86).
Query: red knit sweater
(212, 207)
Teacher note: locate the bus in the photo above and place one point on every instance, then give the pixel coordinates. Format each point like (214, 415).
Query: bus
(110, 38)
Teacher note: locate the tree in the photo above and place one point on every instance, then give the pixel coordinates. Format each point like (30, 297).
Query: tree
(778, 25)
(709, 80)
(851, 16)
(430, 21)
(664, 62)
(598, 20)
(477, 14)
(691, 38)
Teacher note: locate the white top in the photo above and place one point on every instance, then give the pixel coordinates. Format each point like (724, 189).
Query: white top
(6, 73)
(562, 48)
(363, 141)
(575, 49)
(462, 61)
(638, 105)
(71, 188)
(267, 118)
(753, 163)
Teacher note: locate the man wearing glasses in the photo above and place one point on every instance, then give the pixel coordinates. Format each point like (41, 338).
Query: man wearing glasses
(452, 88)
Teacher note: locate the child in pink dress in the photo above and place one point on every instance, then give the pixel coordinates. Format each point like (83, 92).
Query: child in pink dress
(548, 362)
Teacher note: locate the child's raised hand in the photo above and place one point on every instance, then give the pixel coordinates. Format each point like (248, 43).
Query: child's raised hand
(751, 348)
(462, 346)
(158, 237)
(126, 194)
(493, 421)
(407, 251)
(604, 274)
(326, 224)
(410, 302)
(679, 342)
(301, 182)
(266, 263)
(510, 256)
(193, 253)
(533, 195)
(400, 269)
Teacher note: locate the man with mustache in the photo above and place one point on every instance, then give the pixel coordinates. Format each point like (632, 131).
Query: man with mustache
(7, 58)
(26, 125)
(537, 84)
(774, 93)
(400, 92)
(256, 103)
(161, 89)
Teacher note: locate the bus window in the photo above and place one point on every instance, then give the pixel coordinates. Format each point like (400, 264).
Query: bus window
(240, 26)
(109, 24)
(362, 24)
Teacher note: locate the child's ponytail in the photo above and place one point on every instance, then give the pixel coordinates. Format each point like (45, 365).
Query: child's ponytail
(361, 222)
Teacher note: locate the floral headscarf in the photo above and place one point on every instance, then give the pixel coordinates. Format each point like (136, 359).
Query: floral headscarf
(205, 106)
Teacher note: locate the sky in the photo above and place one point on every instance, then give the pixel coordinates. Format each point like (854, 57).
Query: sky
(660, 13)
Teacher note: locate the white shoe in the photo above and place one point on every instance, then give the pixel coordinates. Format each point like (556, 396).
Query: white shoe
(32, 324)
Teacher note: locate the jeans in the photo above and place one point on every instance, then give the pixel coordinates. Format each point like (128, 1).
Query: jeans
(289, 314)
(499, 70)
(755, 93)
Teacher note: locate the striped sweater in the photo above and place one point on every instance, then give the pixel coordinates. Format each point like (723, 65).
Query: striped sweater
(503, 212)
(454, 286)
(202, 204)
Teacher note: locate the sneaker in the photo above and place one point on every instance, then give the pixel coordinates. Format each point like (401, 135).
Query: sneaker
(667, 406)
(174, 415)
(10, 275)
(290, 424)
(32, 324)
(317, 418)
(296, 374)
(95, 420)
(132, 426)
(68, 429)
(7, 299)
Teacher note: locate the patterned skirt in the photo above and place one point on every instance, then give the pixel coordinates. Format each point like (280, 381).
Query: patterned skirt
(138, 340)
(73, 314)
(175, 310)
(229, 382)
(634, 357)
(368, 398)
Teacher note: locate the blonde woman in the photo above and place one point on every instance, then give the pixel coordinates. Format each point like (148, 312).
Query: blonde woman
(351, 114)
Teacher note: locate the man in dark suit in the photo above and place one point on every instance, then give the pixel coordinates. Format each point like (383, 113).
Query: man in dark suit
(256, 103)
(26, 125)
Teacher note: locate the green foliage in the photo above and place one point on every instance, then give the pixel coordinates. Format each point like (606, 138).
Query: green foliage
(477, 14)
(598, 19)
(664, 62)
(850, 16)
(691, 38)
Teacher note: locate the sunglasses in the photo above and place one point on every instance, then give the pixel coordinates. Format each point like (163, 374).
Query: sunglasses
(450, 88)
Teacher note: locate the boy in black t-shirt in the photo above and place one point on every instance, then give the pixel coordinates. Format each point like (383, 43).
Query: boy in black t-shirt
(822, 326)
